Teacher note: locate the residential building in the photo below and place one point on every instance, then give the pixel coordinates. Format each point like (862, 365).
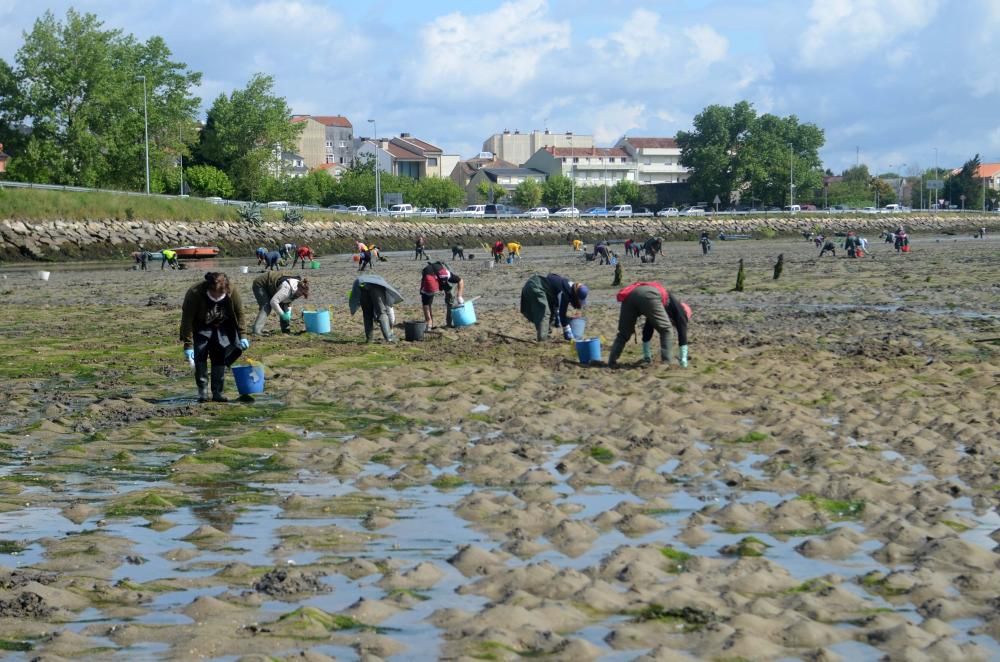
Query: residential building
(406, 156)
(517, 147)
(657, 160)
(289, 165)
(335, 170)
(463, 171)
(987, 171)
(508, 178)
(588, 166)
(325, 139)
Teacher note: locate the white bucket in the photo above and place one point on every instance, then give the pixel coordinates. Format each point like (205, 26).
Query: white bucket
(244, 270)
(44, 275)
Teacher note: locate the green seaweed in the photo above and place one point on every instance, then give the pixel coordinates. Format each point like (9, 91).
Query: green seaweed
(838, 509)
(12, 547)
(751, 437)
(602, 454)
(448, 482)
(678, 559)
(689, 619)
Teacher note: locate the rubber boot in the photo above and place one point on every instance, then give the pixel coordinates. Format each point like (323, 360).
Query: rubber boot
(647, 352)
(218, 382)
(201, 379)
(666, 349)
(541, 330)
(383, 322)
(616, 351)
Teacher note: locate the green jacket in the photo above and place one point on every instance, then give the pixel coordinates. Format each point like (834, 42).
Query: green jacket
(271, 281)
(194, 310)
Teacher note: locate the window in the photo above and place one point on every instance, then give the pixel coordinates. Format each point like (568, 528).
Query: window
(576, 159)
(432, 162)
(329, 144)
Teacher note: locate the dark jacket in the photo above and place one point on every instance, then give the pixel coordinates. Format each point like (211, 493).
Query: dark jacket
(272, 280)
(195, 308)
(559, 292)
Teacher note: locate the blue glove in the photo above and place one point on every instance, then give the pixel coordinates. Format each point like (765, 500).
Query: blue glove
(684, 356)
(286, 315)
(244, 343)
(189, 355)
(568, 332)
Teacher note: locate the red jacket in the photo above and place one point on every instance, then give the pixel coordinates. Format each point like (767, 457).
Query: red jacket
(625, 291)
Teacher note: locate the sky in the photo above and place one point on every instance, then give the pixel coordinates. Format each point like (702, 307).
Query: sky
(889, 81)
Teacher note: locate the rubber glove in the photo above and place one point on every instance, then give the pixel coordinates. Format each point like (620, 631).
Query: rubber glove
(568, 332)
(244, 343)
(461, 301)
(286, 315)
(684, 356)
(647, 352)
(189, 355)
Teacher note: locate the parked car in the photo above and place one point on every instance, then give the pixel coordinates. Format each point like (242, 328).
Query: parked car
(791, 209)
(474, 210)
(621, 211)
(340, 208)
(693, 211)
(429, 212)
(841, 208)
(870, 210)
(215, 200)
(538, 212)
(499, 211)
(567, 212)
(277, 204)
(596, 211)
(453, 212)
(643, 211)
(668, 211)
(404, 209)
(357, 209)
(892, 208)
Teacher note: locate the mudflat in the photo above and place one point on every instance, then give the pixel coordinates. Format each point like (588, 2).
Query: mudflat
(820, 483)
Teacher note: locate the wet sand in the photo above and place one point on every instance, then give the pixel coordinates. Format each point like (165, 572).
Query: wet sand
(820, 483)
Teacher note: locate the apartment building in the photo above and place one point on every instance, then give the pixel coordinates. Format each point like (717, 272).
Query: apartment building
(516, 147)
(325, 139)
(588, 166)
(407, 156)
(657, 160)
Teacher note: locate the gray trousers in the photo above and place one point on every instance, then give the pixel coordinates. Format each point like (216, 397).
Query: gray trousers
(374, 306)
(264, 301)
(647, 302)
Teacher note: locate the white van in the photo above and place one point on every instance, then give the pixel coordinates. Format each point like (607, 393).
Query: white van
(793, 208)
(401, 210)
(475, 210)
(621, 211)
(892, 207)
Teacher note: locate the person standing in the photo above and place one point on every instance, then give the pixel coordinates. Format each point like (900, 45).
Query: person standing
(552, 294)
(168, 257)
(376, 298)
(706, 244)
(661, 310)
(144, 257)
(276, 291)
(211, 330)
(437, 277)
(418, 247)
(303, 254)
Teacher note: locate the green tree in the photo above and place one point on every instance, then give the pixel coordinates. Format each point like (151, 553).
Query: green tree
(965, 182)
(437, 192)
(486, 190)
(74, 86)
(207, 181)
(528, 194)
(557, 191)
(625, 192)
(245, 132)
(733, 152)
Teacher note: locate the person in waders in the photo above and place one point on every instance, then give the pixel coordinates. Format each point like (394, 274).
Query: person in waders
(437, 277)
(706, 244)
(275, 291)
(376, 298)
(552, 294)
(212, 331)
(661, 310)
(851, 244)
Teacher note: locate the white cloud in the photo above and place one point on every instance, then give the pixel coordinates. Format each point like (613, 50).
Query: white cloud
(709, 45)
(845, 31)
(491, 54)
(613, 120)
(640, 35)
(994, 138)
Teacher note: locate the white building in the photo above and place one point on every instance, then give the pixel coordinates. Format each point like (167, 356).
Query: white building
(588, 166)
(516, 147)
(657, 160)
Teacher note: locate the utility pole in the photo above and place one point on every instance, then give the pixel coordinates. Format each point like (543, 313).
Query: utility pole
(791, 178)
(180, 153)
(145, 124)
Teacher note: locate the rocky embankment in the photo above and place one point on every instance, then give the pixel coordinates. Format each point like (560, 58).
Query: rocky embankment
(59, 239)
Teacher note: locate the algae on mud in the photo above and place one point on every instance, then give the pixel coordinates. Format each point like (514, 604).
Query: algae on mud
(617, 490)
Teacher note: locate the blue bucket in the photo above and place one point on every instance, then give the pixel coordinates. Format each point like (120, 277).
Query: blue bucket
(588, 349)
(317, 321)
(464, 315)
(578, 324)
(249, 379)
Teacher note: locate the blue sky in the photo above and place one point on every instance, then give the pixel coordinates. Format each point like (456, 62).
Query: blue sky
(895, 78)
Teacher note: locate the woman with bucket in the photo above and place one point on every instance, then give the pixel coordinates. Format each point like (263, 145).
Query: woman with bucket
(437, 277)
(276, 290)
(375, 297)
(303, 254)
(211, 330)
(661, 310)
(553, 294)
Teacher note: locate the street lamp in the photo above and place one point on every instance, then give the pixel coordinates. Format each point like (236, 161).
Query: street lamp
(180, 153)
(145, 124)
(378, 196)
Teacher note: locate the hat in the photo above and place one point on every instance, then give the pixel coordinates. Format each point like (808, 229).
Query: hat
(581, 294)
(687, 309)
